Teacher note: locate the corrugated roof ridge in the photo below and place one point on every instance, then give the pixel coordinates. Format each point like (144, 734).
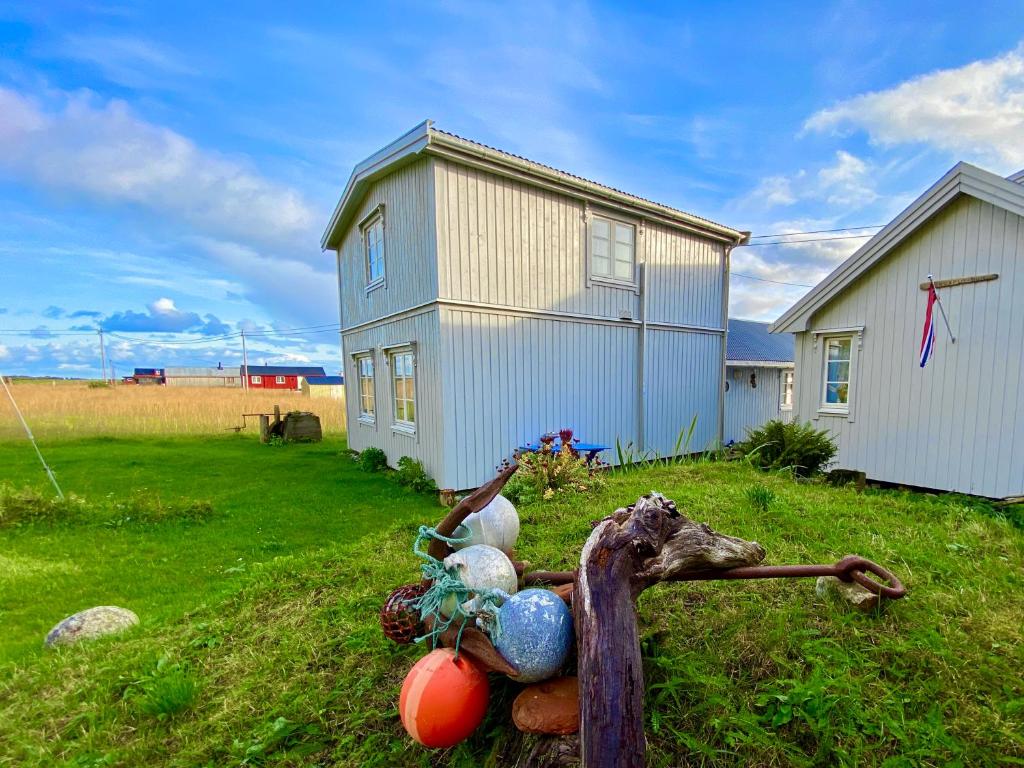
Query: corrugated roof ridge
(570, 175)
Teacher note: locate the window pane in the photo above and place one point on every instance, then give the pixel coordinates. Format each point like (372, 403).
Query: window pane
(839, 349)
(838, 371)
(410, 411)
(599, 228)
(624, 269)
(602, 266)
(600, 247)
(624, 233)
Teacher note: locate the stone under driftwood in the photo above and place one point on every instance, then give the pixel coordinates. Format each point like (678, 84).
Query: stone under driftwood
(849, 592)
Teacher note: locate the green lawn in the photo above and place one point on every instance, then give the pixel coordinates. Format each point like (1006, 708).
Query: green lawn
(267, 501)
(284, 664)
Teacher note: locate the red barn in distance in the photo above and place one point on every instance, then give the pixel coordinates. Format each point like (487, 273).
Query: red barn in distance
(279, 376)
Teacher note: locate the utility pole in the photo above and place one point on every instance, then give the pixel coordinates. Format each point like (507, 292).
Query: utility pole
(103, 356)
(245, 365)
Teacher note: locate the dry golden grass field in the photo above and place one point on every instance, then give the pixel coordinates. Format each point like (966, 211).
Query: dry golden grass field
(57, 409)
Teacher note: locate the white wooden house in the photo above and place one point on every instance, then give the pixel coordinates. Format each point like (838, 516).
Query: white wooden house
(758, 378)
(486, 299)
(956, 424)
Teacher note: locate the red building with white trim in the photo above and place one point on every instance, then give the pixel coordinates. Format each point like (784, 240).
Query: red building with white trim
(278, 376)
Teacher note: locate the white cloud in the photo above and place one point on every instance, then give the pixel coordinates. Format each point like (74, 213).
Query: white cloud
(847, 182)
(163, 306)
(4, 352)
(124, 59)
(976, 111)
(104, 151)
(774, 191)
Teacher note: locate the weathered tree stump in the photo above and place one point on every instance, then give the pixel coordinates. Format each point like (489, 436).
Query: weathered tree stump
(633, 549)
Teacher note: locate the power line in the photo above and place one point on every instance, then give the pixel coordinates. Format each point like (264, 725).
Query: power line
(819, 231)
(766, 280)
(809, 240)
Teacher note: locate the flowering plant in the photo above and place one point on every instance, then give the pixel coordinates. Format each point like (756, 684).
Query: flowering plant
(550, 471)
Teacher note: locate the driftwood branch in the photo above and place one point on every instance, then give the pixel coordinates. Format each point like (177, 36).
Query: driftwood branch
(633, 549)
(476, 501)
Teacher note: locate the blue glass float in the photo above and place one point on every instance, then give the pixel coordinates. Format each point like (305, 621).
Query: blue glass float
(535, 634)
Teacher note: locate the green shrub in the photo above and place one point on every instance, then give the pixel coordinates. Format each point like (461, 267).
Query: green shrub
(373, 460)
(412, 475)
(164, 691)
(760, 498)
(546, 473)
(99, 385)
(795, 446)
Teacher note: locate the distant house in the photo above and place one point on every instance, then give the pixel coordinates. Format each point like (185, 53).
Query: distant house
(279, 376)
(956, 424)
(324, 386)
(758, 378)
(203, 377)
(486, 299)
(148, 376)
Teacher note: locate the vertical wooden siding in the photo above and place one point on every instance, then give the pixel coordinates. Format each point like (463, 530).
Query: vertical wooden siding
(683, 379)
(410, 261)
(957, 424)
(509, 379)
(684, 277)
(426, 444)
(504, 242)
(749, 407)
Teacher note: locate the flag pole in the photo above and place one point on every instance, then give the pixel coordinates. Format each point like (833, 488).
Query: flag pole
(942, 309)
(32, 439)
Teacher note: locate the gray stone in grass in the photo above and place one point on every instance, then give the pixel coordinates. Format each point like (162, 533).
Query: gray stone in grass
(91, 623)
(849, 592)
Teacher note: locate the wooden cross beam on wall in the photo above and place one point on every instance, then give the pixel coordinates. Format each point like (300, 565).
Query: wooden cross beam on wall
(954, 281)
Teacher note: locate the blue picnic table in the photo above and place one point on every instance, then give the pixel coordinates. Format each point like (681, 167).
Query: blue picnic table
(589, 451)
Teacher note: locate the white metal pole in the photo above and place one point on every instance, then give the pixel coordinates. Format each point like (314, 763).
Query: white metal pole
(32, 439)
(103, 356)
(245, 364)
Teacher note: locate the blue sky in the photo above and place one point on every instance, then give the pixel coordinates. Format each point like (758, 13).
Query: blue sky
(168, 168)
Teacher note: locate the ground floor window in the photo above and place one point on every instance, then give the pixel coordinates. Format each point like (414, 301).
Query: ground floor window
(787, 390)
(403, 383)
(257, 379)
(280, 380)
(364, 373)
(836, 373)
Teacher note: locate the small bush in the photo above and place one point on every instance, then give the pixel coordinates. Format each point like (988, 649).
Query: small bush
(412, 475)
(799, 447)
(164, 691)
(760, 498)
(373, 460)
(99, 385)
(546, 473)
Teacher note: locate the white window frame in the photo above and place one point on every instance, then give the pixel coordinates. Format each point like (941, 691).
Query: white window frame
(788, 383)
(257, 379)
(838, 408)
(400, 424)
(279, 379)
(366, 416)
(612, 221)
(367, 228)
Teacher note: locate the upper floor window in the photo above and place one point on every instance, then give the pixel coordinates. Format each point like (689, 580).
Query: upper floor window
(367, 402)
(787, 390)
(403, 381)
(373, 244)
(836, 373)
(612, 249)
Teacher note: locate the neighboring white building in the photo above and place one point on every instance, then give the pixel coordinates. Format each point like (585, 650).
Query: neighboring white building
(486, 299)
(958, 423)
(758, 378)
(203, 377)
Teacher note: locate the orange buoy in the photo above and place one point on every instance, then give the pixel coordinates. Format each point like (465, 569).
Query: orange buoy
(443, 699)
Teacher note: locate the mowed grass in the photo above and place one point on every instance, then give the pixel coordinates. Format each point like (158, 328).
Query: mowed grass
(284, 663)
(266, 502)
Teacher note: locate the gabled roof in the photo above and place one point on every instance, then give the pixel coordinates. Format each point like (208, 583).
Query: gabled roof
(283, 370)
(962, 179)
(749, 341)
(424, 140)
(323, 381)
(1017, 178)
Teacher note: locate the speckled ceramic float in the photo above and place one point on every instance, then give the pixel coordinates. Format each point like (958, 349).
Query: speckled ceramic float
(480, 567)
(496, 525)
(536, 634)
(91, 623)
